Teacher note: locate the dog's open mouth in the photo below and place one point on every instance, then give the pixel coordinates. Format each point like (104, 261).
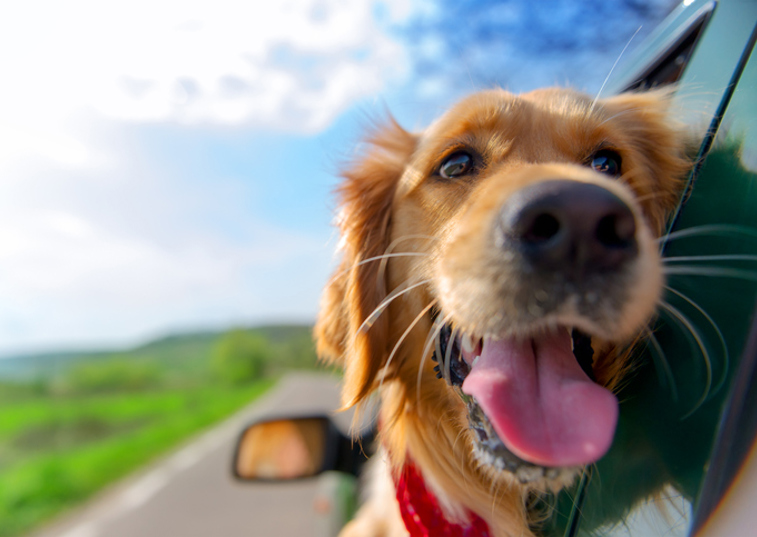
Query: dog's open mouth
(532, 402)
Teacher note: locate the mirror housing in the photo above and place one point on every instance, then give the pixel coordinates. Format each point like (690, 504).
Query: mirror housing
(283, 449)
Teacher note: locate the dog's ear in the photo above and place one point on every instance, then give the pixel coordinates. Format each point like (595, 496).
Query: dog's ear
(357, 289)
(649, 118)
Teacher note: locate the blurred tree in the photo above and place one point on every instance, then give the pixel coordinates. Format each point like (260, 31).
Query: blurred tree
(297, 352)
(240, 356)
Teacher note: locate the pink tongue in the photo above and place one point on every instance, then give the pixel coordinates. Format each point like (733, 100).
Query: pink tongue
(542, 405)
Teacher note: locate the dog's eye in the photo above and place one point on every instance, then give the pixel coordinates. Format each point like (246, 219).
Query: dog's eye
(607, 162)
(455, 165)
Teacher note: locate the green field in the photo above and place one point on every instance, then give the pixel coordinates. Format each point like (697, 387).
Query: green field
(72, 423)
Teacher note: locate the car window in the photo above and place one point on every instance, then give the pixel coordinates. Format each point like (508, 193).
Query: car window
(669, 67)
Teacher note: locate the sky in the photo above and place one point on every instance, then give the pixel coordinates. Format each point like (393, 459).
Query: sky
(167, 166)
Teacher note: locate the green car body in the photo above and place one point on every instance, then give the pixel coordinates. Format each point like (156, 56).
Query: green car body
(689, 412)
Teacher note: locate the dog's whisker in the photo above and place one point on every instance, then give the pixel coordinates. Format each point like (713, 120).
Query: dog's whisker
(347, 270)
(430, 339)
(716, 328)
(400, 340)
(404, 238)
(621, 113)
(725, 257)
(385, 257)
(684, 321)
(710, 229)
(712, 272)
(388, 254)
(368, 322)
(389, 249)
(661, 364)
(607, 78)
(408, 237)
(385, 260)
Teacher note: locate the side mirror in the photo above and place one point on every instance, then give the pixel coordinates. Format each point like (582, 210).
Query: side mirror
(295, 448)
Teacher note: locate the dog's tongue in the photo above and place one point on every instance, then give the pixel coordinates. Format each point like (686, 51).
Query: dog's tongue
(541, 403)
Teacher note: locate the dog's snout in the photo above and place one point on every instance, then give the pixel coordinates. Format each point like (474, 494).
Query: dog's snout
(569, 226)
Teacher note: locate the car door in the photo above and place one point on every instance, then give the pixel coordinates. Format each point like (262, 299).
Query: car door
(689, 412)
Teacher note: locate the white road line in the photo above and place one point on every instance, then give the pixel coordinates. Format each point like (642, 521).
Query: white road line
(88, 529)
(142, 491)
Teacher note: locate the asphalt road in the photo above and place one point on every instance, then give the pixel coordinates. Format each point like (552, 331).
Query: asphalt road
(191, 492)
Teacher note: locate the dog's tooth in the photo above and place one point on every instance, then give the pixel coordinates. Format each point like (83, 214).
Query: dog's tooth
(467, 343)
(475, 360)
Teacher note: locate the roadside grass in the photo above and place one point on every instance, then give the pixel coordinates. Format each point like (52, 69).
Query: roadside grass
(74, 448)
(92, 419)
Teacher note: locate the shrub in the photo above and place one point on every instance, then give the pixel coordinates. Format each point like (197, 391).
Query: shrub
(240, 356)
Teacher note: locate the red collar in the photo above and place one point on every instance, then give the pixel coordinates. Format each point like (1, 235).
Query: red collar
(422, 514)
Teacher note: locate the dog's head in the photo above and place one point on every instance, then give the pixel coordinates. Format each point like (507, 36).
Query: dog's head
(500, 247)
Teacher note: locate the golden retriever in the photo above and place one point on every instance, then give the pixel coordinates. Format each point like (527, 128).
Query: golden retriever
(496, 269)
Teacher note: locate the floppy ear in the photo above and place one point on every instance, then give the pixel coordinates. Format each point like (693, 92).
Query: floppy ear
(356, 290)
(660, 138)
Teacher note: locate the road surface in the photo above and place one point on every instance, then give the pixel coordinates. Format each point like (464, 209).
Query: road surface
(191, 492)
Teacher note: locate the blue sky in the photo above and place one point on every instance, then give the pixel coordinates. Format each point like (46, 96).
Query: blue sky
(167, 166)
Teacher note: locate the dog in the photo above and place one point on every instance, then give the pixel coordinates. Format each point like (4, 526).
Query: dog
(496, 270)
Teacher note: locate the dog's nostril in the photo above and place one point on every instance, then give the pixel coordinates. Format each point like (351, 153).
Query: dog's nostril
(616, 230)
(544, 227)
(568, 226)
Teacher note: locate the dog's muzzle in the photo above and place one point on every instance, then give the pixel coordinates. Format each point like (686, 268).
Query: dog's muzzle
(567, 244)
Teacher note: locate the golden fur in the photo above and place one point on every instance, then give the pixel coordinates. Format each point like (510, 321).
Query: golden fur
(390, 203)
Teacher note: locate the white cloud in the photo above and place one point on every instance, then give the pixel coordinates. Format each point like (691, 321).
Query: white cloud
(291, 64)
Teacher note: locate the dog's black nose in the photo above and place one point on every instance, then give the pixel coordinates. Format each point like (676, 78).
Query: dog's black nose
(564, 225)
